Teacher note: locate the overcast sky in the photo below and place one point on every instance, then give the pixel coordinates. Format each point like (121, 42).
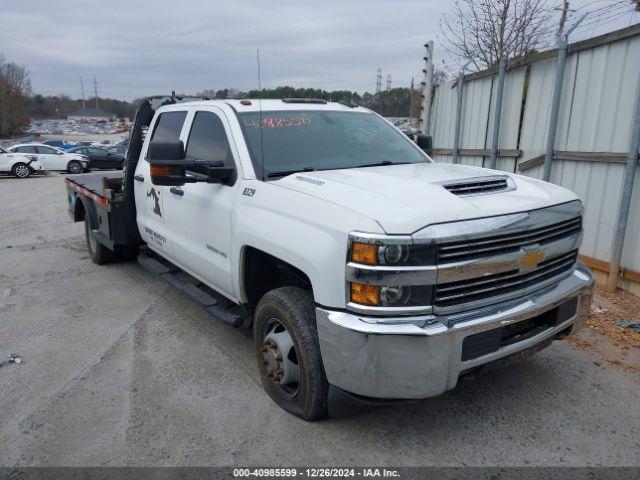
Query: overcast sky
(136, 48)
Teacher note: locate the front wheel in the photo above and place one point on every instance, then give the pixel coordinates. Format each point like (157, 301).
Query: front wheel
(74, 166)
(21, 170)
(288, 352)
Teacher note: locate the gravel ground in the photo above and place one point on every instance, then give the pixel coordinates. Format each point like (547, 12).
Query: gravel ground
(120, 369)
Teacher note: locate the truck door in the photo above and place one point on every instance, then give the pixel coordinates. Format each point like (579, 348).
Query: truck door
(151, 200)
(201, 212)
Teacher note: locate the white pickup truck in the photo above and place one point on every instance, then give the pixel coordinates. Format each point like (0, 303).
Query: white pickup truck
(368, 272)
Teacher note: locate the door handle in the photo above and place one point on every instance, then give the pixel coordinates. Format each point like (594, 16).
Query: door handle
(138, 178)
(177, 191)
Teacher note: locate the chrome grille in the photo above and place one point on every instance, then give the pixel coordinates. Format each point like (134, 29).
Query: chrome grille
(510, 242)
(477, 186)
(455, 293)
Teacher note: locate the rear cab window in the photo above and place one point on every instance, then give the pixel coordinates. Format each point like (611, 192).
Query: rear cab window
(168, 126)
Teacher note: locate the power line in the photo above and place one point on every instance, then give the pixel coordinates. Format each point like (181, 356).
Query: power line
(600, 16)
(616, 12)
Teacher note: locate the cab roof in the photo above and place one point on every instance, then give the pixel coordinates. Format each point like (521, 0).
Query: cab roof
(254, 105)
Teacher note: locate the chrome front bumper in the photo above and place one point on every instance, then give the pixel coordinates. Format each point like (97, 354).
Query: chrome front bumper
(406, 361)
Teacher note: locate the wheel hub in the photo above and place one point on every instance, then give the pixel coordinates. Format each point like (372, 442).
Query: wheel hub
(272, 360)
(279, 358)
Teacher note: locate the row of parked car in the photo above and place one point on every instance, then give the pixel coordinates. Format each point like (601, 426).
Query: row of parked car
(25, 159)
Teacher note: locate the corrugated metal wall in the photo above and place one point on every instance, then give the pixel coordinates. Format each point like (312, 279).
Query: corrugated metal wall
(475, 115)
(596, 113)
(443, 119)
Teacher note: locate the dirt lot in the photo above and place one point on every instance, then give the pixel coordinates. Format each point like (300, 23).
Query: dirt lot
(120, 369)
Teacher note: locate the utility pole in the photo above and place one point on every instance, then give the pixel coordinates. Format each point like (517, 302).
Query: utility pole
(411, 105)
(427, 88)
(379, 81)
(555, 100)
(84, 105)
(388, 82)
(563, 20)
(95, 89)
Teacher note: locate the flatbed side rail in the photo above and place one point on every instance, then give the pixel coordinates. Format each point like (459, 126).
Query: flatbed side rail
(92, 195)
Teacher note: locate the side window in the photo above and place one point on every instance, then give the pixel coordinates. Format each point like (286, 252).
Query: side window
(26, 150)
(208, 140)
(168, 126)
(46, 151)
(96, 152)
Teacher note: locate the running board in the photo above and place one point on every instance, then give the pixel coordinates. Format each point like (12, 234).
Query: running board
(210, 303)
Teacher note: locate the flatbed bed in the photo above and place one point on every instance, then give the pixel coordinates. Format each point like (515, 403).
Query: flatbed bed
(100, 184)
(99, 197)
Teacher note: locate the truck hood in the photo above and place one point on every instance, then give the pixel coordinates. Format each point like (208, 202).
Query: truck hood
(406, 198)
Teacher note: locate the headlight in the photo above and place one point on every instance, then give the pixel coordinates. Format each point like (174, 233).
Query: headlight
(391, 295)
(390, 275)
(394, 295)
(392, 254)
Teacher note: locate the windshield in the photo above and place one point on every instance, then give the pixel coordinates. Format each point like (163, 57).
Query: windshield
(294, 141)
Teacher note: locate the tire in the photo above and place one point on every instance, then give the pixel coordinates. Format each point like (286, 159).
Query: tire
(21, 170)
(290, 310)
(98, 252)
(74, 166)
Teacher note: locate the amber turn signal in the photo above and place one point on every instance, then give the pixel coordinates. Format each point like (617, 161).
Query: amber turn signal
(363, 253)
(161, 171)
(365, 294)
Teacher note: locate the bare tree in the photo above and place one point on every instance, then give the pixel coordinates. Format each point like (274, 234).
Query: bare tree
(15, 85)
(484, 31)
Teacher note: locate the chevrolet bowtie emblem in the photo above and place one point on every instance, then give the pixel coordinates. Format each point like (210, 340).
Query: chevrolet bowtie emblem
(529, 259)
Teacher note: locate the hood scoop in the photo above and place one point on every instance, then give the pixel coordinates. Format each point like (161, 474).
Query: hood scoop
(480, 185)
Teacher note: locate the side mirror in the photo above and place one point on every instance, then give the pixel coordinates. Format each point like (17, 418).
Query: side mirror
(425, 142)
(166, 159)
(170, 167)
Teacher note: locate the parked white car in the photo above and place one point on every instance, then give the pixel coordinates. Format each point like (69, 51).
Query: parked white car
(53, 158)
(18, 164)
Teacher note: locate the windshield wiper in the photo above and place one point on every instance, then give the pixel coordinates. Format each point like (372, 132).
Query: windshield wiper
(284, 173)
(380, 164)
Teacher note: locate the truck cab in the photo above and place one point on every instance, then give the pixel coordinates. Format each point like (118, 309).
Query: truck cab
(366, 270)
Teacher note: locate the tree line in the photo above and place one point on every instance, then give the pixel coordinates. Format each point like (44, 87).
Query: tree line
(395, 102)
(18, 105)
(15, 87)
(61, 106)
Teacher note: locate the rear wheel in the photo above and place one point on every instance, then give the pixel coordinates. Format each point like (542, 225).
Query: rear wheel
(21, 170)
(97, 251)
(288, 352)
(74, 166)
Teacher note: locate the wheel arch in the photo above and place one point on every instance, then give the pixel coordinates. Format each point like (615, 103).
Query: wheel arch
(261, 272)
(83, 207)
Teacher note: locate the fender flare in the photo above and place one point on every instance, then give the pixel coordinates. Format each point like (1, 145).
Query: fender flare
(89, 209)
